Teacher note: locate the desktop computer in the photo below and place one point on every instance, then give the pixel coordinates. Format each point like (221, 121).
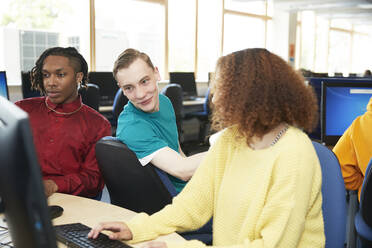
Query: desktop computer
(21, 189)
(342, 103)
(187, 82)
(22, 197)
(316, 83)
(107, 86)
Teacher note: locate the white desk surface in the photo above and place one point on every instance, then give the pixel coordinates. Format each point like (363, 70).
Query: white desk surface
(91, 212)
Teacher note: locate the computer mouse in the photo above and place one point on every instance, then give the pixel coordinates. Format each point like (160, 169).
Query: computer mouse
(55, 211)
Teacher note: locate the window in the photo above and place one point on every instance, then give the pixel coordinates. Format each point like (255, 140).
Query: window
(122, 24)
(307, 40)
(181, 24)
(209, 37)
(33, 44)
(321, 45)
(339, 52)
(28, 27)
(241, 20)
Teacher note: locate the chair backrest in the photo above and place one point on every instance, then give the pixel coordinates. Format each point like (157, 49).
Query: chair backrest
(136, 187)
(334, 197)
(120, 101)
(174, 93)
(206, 105)
(131, 185)
(366, 196)
(90, 95)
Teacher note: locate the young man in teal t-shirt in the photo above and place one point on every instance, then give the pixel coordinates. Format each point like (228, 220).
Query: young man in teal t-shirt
(147, 124)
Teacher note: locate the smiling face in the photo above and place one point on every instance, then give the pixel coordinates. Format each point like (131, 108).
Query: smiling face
(139, 85)
(60, 79)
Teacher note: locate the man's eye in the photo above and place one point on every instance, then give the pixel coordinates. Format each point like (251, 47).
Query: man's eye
(61, 74)
(45, 75)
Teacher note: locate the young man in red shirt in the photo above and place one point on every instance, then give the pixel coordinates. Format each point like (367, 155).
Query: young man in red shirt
(65, 130)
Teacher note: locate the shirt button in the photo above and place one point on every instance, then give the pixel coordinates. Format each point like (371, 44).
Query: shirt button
(51, 140)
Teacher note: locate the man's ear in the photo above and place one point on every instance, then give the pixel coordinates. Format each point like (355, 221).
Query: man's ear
(79, 77)
(157, 73)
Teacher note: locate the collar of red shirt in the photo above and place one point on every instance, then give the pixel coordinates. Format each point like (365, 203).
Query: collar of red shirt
(66, 107)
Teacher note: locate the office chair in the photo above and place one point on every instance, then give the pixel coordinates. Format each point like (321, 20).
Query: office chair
(203, 118)
(90, 95)
(136, 187)
(27, 92)
(130, 185)
(174, 93)
(333, 193)
(363, 218)
(120, 101)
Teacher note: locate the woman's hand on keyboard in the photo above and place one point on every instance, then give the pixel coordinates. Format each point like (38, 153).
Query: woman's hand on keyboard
(119, 230)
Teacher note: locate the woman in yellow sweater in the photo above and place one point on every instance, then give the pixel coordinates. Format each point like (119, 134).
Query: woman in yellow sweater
(261, 180)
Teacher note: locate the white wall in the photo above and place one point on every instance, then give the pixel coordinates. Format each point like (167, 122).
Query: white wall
(12, 57)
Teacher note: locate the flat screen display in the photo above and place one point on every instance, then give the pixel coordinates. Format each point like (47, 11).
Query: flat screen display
(342, 103)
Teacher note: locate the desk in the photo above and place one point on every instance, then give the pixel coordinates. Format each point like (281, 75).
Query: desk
(91, 212)
(198, 102)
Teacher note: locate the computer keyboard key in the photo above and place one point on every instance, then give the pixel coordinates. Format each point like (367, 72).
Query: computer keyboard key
(75, 235)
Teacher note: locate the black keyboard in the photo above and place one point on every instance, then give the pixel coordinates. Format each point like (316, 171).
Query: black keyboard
(75, 235)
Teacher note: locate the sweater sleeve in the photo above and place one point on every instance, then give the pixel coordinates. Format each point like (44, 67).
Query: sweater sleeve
(189, 210)
(345, 153)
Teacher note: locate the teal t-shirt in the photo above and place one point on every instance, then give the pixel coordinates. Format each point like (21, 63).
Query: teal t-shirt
(145, 133)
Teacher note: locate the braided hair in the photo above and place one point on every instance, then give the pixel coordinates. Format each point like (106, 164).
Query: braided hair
(76, 59)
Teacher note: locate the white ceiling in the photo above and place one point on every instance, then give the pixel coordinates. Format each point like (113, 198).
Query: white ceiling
(357, 11)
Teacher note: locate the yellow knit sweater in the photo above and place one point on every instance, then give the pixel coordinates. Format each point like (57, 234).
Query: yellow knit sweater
(354, 150)
(258, 198)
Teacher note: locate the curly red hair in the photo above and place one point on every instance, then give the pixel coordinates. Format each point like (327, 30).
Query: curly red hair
(257, 90)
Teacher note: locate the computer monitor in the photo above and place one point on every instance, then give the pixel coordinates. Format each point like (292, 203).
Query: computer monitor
(27, 92)
(187, 82)
(341, 103)
(21, 189)
(316, 83)
(107, 86)
(3, 85)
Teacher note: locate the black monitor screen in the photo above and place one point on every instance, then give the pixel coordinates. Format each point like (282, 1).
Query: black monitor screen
(341, 104)
(21, 189)
(3, 85)
(107, 86)
(186, 80)
(27, 92)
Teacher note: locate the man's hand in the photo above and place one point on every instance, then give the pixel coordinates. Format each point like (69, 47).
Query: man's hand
(119, 230)
(50, 187)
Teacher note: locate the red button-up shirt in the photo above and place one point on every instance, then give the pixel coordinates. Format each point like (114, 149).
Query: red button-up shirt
(65, 144)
